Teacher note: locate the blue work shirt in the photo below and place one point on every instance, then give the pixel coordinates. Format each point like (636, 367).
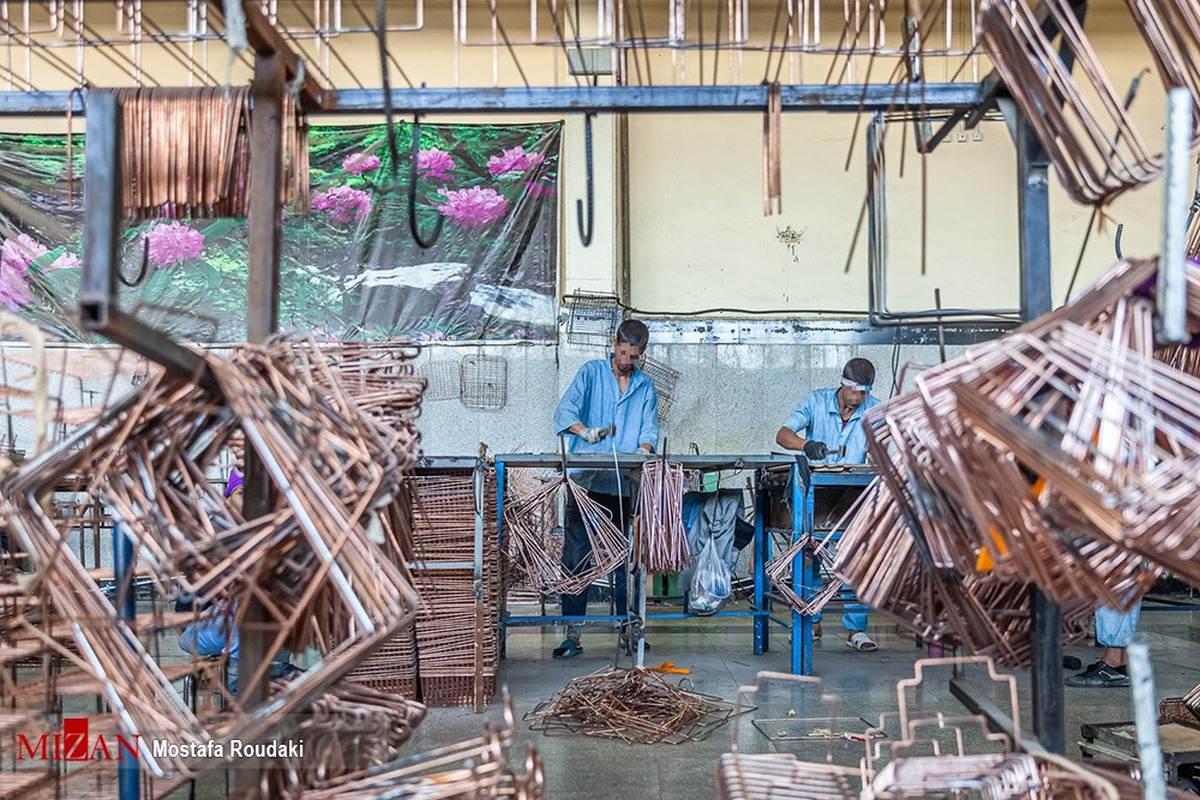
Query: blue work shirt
(819, 414)
(595, 400)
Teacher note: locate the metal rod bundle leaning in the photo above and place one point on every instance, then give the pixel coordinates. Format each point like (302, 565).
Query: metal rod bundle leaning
(664, 542)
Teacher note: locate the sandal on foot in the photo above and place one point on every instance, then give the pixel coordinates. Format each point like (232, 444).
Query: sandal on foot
(568, 649)
(862, 643)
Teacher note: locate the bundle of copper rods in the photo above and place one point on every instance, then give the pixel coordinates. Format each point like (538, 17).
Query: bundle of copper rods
(1093, 144)
(186, 152)
(312, 560)
(525, 523)
(633, 705)
(982, 612)
(663, 540)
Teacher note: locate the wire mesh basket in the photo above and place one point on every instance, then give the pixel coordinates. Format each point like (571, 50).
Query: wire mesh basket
(484, 382)
(592, 317)
(665, 380)
(445, 380)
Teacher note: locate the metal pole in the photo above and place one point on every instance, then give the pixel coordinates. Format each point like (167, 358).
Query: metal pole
(1172, 280)
(128, 787)
(262, 304)
(1033, 192)
(1145, 715)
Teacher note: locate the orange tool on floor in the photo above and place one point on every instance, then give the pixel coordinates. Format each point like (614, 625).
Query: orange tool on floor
(670, 668)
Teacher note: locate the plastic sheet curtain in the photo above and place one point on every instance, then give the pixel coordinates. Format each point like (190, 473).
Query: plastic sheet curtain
(351, 269)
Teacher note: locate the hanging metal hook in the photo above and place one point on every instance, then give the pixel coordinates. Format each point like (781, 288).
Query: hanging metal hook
(424, 244)
(585, 231)
(1117, 241)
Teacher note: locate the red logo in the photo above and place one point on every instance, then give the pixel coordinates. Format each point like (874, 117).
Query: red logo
(74, 744)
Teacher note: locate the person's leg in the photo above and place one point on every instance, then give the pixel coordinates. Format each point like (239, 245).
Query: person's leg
(1114, 631)
(855, 620)
(577, 553)
(621, 509)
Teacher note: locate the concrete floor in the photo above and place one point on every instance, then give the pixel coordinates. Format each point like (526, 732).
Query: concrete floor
(719, 652)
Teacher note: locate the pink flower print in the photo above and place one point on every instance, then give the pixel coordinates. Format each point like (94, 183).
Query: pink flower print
(174, 243)
(474, 207)
(358, 163)
(434, 164)
(66, 261)
(514, 159)
(343, 204)
(16, 255)
(540, 189)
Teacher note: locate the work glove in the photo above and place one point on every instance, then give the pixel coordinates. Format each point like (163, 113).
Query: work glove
(815, 450)
(593, 435)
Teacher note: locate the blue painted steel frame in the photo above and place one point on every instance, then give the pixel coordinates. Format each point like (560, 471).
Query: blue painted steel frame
(545, 99)
(761, 545)
(805, 571)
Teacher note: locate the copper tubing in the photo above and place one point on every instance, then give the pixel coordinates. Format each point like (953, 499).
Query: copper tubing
(961, 524)
(186, 152)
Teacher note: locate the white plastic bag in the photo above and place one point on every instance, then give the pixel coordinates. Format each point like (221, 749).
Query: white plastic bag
(711, 583)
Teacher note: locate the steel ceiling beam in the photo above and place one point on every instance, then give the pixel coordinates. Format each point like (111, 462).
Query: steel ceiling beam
(629, 99)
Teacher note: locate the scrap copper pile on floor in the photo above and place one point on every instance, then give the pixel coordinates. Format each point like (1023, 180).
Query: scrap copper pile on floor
(914, 751)
(315, 562)
(634, 705)
(527, 520)
(1062, 455)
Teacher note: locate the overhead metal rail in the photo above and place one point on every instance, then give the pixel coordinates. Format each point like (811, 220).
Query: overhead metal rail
(848, 98)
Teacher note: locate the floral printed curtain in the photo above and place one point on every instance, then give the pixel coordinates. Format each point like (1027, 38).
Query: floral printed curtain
(351, 269)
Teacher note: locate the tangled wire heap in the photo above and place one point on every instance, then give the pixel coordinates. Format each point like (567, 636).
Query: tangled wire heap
(634, 705)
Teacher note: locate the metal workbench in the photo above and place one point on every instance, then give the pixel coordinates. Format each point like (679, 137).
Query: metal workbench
(756, 464)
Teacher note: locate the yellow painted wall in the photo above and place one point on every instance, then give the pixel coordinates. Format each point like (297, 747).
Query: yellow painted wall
(698, 238)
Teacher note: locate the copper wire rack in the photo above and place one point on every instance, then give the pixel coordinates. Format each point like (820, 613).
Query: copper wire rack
(476, 768)
(449, 655)
(484, 382)
(1061, 455)
(592, 318)
(1085, 128)
(914, 751)
(312, 560)
(666, 381)
(444, 379)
